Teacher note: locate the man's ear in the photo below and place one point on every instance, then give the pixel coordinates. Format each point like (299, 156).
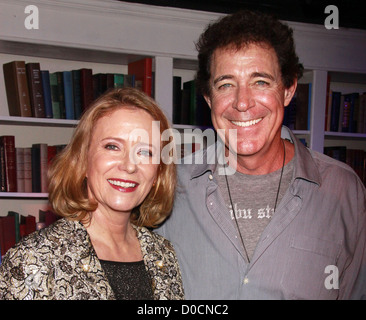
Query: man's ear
(289, 93)
(208, 100)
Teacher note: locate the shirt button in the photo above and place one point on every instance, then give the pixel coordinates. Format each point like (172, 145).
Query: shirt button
(210, 176)
(246, 280)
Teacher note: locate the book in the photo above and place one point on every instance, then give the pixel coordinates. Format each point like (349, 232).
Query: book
(68, 95)
(128, 81)
(47, 99)
(17, 92)
(16, 224)
(61, 93)
(19, 156)
(7, 233)
(335, 110)
(39, 167)
(27, 225)
(77, 93)
(8, 164)
(361, 128)
(51, 153)
(55, 96)
(86, 88)
(47, 217)
(99, 84)
(28, 169)
(142, 70)
(346, 107)
(350, 112)
(35, 88)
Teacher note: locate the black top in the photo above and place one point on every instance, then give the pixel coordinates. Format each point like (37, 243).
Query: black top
(129, 280)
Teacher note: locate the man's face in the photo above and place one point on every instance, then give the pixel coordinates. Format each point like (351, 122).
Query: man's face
(247, 94)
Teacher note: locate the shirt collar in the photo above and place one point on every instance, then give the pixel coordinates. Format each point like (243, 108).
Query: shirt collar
(305, 167)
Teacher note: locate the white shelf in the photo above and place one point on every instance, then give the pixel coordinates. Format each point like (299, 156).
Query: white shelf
(347, 135)
(30, 121)
(23, 195)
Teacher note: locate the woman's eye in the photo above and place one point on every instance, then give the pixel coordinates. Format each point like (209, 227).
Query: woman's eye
(111, 147)
(145, 152)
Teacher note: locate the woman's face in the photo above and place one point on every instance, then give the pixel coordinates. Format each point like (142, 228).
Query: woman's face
(123, 159)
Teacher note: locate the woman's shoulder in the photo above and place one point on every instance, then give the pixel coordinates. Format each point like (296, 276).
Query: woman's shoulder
(47, 241)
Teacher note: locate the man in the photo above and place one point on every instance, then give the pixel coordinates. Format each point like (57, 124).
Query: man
(287, 222)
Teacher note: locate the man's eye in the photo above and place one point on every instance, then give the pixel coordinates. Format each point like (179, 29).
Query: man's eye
(261, 83)
(225, 85)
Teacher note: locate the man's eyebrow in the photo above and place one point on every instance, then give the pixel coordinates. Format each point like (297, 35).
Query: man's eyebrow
(223, 77)
(262, 75)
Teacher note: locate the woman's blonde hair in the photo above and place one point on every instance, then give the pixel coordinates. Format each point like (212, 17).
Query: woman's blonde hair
(68, 194)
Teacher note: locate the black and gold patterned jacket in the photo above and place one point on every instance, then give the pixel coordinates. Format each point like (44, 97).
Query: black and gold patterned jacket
(59, 262)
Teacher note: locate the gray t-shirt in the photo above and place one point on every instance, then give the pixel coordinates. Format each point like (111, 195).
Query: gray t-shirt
(253, 198)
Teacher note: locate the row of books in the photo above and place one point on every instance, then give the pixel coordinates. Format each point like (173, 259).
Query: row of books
(189, 107)
(15, 226)
(346, 112)
(24, 169)
(297, 113)
(355, 158)
(33, 92)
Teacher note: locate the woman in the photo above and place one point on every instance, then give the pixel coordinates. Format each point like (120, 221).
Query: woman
(108, 184)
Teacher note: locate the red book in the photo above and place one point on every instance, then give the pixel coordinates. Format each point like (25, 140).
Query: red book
(30, 224)
(142, 69)
(7, 233)
(8, 164)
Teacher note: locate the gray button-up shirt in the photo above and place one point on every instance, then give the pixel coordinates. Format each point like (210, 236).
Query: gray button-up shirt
(313, 248)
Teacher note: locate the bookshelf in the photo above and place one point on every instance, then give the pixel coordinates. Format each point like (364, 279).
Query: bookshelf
(105, 35)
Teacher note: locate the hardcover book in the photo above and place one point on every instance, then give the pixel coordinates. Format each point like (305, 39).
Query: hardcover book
(17, 92)
(35, 89)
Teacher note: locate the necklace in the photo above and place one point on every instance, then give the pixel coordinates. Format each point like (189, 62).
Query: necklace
(275, 205)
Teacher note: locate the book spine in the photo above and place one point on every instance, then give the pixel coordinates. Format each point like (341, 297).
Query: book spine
(86, 88)
(17, 92)
(39, 167)
(20, 169)
(69, 95)
(36, 168)
(8, 143)
(7, 231)
(55, 96)
(28, 169)
(45, 76)
(61, 94)
(77, 93)
(35, 89)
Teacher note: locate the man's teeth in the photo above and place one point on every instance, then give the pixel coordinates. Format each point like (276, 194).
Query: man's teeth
(122, 184)
(246, 123)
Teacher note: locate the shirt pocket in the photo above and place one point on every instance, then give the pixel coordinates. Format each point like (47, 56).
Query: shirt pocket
(305, 274)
